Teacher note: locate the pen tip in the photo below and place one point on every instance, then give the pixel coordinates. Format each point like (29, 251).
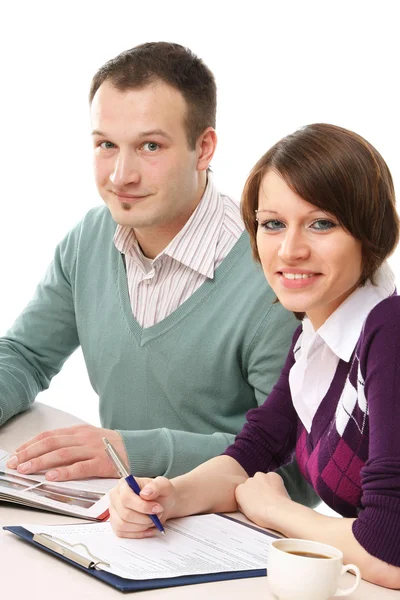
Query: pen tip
(163, 532)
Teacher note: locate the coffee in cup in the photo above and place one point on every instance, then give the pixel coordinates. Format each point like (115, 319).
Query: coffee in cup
(306, 570)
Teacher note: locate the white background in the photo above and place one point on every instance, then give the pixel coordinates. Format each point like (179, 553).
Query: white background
(278, 65)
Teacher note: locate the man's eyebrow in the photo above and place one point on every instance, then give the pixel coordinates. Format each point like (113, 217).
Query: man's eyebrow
(151, 132)
(142, 134)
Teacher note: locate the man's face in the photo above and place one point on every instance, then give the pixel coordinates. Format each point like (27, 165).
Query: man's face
(144, 169)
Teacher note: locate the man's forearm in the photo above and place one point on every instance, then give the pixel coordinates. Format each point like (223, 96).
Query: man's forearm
(18, 384)
(171, 452)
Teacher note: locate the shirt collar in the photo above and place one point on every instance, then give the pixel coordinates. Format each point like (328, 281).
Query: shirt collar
(125, 242)
(206, 221)
(349, 317)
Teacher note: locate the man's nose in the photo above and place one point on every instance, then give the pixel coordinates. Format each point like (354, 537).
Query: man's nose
(126, 170)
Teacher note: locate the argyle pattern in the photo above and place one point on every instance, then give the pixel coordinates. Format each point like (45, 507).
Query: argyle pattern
(331, 458)
(351, 455)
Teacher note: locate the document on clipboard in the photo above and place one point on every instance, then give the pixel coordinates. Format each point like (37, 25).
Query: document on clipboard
(87, 498)
(195, 549)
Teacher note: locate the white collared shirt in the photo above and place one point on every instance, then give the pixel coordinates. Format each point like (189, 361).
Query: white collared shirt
(158, 287)
(317, 353)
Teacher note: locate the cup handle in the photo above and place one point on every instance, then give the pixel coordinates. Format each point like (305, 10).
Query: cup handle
(340, 591)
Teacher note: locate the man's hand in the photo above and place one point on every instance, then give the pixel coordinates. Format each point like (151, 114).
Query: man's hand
(69, 453)
(263, 498)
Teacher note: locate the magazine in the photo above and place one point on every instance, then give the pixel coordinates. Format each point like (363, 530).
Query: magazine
(87, 498)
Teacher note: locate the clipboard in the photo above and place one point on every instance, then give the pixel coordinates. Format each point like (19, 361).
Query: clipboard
(92, 566)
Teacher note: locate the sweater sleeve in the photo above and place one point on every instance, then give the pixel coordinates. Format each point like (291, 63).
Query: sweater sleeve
(43, 336)
(377, 527)
(268, 438)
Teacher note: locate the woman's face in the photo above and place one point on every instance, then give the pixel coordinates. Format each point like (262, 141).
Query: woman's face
(309, 260)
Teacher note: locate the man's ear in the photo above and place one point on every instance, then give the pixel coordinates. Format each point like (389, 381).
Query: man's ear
(206, 145)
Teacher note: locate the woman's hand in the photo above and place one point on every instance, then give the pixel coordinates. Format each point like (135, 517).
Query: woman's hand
(129, 512)
(262, 497)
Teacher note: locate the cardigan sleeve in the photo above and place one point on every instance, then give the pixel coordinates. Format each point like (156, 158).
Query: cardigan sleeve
(377, 527)
(268, 438)
(43, 336)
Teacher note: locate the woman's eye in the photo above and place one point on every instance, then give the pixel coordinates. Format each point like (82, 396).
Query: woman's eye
(151, 146)
(107, 145)
(272, 225)
(323, 225)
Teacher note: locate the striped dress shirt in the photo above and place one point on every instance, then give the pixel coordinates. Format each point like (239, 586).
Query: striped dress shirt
(158, 287)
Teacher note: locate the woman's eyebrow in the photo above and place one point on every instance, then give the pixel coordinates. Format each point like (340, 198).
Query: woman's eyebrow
(275, 212)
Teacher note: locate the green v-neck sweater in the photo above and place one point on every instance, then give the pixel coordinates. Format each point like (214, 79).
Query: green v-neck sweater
(178, 391)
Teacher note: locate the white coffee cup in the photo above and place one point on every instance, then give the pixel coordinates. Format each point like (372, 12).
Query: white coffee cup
(297, 577)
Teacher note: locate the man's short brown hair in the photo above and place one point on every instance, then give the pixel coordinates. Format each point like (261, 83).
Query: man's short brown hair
(173, 64)
(341, 173)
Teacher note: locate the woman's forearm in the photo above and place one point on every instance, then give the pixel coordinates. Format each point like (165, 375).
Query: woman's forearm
(295, 520)
(208, 488)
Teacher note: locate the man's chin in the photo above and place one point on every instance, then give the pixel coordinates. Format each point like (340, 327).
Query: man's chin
(122, 213)
(129, 218)
(121, 218)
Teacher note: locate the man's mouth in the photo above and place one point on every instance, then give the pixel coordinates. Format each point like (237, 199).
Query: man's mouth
(130, 197)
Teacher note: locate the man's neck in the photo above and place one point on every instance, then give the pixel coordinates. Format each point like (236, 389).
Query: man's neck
(153, 240)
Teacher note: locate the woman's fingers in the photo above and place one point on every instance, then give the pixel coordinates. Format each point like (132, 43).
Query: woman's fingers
(129, 512)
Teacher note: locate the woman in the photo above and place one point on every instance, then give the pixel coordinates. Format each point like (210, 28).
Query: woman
(320, 210)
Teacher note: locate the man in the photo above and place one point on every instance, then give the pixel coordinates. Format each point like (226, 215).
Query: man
(176, 323)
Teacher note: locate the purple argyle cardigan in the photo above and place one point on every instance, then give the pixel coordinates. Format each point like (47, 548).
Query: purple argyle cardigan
(351, 456)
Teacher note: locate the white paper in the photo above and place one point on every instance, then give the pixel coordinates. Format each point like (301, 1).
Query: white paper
(192, 546)
(86, 498)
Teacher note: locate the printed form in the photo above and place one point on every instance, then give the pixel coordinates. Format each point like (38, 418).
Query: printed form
(192, 546)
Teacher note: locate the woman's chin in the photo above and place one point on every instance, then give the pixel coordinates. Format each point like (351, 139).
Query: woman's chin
(293, 306)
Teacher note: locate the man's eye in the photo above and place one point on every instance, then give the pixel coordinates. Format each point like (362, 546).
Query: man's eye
(107, 145)
(323, 225)
(272, 225)
(151, 146)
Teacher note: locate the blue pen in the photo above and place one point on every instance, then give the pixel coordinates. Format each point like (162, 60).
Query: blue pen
(130, 480)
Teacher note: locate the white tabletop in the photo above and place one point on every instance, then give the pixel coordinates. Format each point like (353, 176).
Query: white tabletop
(28, 572)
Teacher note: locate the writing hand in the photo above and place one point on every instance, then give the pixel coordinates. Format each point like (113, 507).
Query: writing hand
(129, 512)
(260, 496)
(68, 453)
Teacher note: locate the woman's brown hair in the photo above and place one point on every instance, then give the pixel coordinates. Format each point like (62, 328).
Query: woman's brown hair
(341, 173)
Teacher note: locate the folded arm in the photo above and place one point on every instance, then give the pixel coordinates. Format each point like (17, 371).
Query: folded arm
(264, 500)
